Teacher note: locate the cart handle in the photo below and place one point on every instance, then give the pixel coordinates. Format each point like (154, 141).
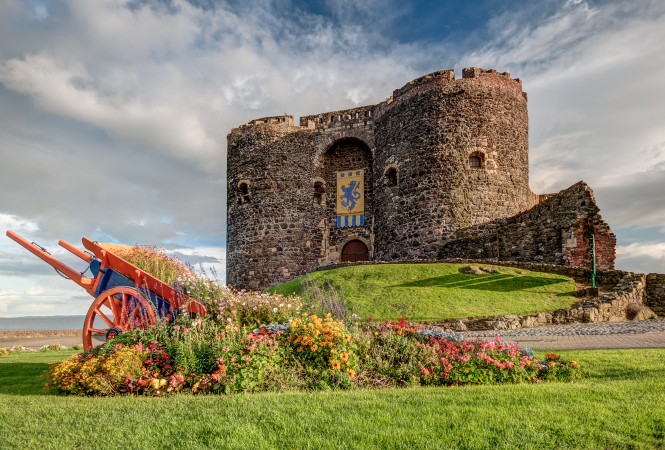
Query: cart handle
(39, 251)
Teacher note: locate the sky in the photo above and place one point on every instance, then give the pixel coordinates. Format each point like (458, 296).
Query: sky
(114, 114)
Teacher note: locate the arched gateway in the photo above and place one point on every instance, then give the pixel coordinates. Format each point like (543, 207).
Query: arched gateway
(355, 250)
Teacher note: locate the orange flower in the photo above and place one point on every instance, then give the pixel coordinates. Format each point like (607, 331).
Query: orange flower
(351, 373)
(336, 365)
(344, 356)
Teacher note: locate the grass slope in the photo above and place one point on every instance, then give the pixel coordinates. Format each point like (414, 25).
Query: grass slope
(620, 404)
(427, 292)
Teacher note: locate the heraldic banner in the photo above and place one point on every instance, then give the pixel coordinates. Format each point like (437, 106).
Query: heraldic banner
(351, 198)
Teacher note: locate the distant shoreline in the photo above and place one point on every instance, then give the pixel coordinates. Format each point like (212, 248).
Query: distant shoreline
(19, 334)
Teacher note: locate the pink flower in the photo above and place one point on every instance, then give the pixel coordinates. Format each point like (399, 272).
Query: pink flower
(424, 371)
(139, 347)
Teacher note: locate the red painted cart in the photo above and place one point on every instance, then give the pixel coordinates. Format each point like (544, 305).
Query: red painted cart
(125, 297)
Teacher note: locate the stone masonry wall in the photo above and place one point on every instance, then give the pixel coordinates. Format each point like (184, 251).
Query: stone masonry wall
(656, 292)
(624, 302)
(426, 132)
(271, 233)
(556, 231)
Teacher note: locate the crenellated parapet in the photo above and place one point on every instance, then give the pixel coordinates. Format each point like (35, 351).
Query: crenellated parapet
(361, 116)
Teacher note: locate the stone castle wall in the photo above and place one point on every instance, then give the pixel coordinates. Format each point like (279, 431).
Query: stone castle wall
(428, 131)
(441, 154)
(556, 231)
(655, 293)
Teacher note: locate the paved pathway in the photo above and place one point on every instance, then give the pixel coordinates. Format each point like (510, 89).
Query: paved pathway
(644, 334)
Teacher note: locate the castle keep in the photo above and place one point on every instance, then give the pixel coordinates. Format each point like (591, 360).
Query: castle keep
(440, 169)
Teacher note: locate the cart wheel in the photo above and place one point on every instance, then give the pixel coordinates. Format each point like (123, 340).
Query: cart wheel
(118, 309)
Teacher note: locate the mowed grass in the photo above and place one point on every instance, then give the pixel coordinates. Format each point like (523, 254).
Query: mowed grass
(619, 404)
(430, 292)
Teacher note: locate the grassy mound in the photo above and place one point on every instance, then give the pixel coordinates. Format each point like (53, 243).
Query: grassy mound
(428, 292)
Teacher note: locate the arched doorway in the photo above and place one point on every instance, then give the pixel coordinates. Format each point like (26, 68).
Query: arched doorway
(355, 250)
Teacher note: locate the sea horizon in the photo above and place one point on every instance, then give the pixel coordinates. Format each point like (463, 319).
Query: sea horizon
(22, 323)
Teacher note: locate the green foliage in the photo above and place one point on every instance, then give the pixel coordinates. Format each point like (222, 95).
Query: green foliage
(427, 292)
(102, 374)
(154, 261)
(324, 345)
(253, 309)
(203, 356)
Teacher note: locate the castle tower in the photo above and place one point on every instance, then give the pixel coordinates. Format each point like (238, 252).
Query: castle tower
(453, 153)
(269, 232)
(439, 155)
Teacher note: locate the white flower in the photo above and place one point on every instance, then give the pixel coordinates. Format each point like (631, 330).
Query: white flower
(274, 310)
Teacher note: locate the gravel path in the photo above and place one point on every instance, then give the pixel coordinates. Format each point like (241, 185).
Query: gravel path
(605, 335)
(579, 329)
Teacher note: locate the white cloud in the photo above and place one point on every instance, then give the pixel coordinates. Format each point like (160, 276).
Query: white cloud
(12, 222)
(638, 257)
(69, 90)
(35, 291)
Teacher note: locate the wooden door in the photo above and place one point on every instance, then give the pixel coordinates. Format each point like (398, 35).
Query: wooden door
(355, 251)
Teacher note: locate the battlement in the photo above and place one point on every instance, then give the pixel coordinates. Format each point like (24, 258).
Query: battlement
(284, 120)
(447, 78)
(364, 115)
(346, 117)
(476, 72)
(441, 76)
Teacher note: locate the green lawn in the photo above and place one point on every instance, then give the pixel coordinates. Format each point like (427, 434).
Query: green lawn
(429, 292)
(620, 404)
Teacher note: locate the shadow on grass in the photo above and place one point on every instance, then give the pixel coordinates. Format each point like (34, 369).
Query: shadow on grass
(17, 378)
(484, 282)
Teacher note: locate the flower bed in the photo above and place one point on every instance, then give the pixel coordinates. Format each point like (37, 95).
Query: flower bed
(311, 352)
(323, 348)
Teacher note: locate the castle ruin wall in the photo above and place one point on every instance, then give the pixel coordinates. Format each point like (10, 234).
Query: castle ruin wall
(556, 231)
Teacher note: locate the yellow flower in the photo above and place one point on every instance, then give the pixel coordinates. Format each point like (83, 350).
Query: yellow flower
(351, 373)
(336, 365)
(344, 356)
(314, 347)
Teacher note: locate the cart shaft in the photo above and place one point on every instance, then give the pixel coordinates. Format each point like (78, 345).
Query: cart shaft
(85, 282)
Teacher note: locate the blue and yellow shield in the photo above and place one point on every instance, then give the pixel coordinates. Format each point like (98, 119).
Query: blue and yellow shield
(351, 198)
